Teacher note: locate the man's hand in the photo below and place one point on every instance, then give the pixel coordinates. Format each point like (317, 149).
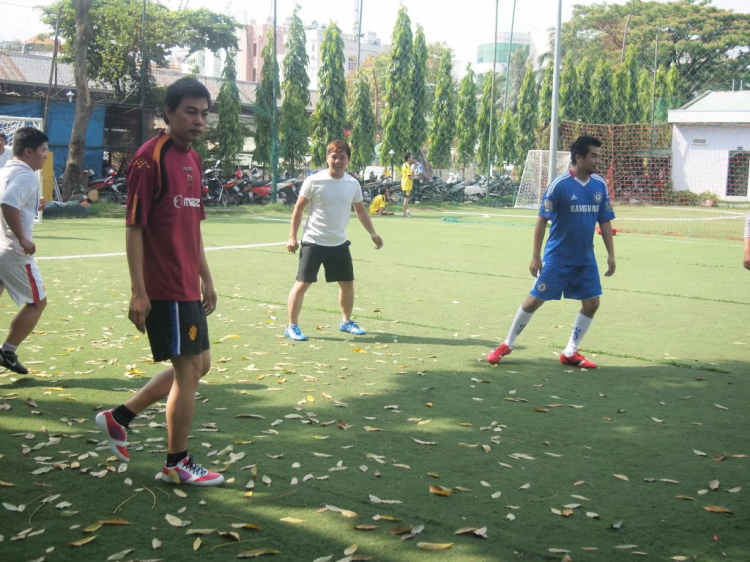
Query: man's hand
(378, 241)
(29, 248)
(610, 266)
(209, 298)
(535, 267)
(747, 259)
(140, 306)
(42, 204)
(292, 244)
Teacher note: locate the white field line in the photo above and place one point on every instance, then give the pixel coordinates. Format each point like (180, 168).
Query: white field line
(735, 216)
(121, 254)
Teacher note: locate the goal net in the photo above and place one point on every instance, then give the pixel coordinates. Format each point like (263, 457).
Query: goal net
(9, 125)
(679, 179)
(535, 180)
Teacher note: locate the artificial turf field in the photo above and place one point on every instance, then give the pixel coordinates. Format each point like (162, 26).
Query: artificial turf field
(529, 449)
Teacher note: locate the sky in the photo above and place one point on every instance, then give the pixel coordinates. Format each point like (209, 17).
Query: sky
(461, 24)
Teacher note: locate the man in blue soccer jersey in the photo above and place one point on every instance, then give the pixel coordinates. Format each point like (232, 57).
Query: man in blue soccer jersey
(575, 201)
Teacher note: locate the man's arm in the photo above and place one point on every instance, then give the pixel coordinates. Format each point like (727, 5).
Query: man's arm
(299, 208)
(540, 229)
(140, 305)
(207, 283)
(12, 216)
(366, 221)
(609, 243)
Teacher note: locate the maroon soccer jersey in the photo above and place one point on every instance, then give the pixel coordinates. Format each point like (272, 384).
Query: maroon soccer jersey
(164, 197)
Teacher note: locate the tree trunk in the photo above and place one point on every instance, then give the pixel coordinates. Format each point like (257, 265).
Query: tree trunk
(75, 177)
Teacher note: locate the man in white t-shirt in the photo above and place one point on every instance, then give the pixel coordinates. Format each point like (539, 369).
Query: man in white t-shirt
(330, 194)
(5, 154)
(746, 253)
(19, 275)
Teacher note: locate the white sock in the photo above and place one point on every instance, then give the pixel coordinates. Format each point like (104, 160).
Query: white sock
(579, 330)
(519, 323)
(9, 347)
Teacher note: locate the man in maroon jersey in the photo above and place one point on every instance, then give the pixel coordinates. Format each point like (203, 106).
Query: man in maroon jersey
(170, 279)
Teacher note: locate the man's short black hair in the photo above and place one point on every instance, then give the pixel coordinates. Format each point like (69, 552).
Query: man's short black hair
(184, 88)
(407, 156)
(581, 147)
(3, 136)
(383, 190)
(27, 137)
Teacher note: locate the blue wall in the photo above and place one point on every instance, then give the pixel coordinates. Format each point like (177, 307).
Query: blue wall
(59, 126)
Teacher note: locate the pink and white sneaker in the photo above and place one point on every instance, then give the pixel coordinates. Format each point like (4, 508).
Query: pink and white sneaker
(117, 436)
(188, 472)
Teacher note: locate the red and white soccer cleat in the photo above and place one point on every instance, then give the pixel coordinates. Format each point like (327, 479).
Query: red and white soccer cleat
(577, 360)
(498, 353)
(117, 436)
(188, 472)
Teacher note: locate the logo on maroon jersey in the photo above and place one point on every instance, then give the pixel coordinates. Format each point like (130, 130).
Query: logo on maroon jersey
(189, 180)
(180, 201)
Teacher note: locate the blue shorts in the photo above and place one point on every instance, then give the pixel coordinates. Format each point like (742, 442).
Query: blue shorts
(578, 282)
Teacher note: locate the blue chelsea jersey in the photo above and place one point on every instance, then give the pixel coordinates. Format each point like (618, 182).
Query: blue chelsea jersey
(574, 208)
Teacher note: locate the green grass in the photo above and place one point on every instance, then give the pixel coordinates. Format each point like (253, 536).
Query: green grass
(671, 338)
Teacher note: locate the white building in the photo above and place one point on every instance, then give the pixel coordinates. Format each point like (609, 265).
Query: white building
(711, 145)
(370, 46)
(486, 53)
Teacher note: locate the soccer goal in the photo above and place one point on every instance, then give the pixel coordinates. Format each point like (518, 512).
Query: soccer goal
(535, 177)
(9, 124)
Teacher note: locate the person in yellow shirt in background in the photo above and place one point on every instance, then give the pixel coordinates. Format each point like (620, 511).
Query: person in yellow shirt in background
(407, 181)
(377, 207)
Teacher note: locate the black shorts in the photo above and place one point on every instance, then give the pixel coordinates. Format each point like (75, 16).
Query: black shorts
(176, 328)
(336, 261)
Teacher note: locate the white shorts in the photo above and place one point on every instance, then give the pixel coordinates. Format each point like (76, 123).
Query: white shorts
(23, 282)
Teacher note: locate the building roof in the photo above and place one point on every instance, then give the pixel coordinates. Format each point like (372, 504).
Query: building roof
(714, 107)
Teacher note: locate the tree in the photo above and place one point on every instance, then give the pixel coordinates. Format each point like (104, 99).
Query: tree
(443, 115)
(569, 90)
(329, 117)
(264, 104)
(526, 112)
(295, 127)
(673, 90)
(708, 45)
(374, 69)
(363, 125)
(115, 57)
(230, 134)
(584, 72)
(466, 126)
(645, 90)
(544, 112)
(419, 104)
(620, 96)
(601, 93)
(516, 74)
(507, 138)
(397, 111)
(487, 109)
(632, 69)
(75, 176)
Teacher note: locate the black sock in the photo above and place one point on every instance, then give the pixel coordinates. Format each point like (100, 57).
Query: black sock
(122, 415)
(174, 458)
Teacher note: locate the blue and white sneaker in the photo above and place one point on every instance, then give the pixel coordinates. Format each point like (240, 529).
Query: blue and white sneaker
(352, 328)
(293, 332)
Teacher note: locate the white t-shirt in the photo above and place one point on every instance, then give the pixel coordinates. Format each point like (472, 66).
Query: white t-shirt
(19, 188)
(330, 207)
(5, 157)
(747, 227)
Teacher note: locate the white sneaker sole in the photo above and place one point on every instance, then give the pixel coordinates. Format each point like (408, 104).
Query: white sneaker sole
(215, 482)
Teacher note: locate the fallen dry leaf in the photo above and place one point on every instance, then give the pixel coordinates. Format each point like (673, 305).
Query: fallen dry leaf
(440, 491)
(434, 546)
(83, 541)
(257, 552)
(621, 477)
(717, 509)
(714, 484)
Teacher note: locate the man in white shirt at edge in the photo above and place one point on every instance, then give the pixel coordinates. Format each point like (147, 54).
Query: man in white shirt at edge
(19, 275)
(330, 194)
(5, 153)
(746, 254)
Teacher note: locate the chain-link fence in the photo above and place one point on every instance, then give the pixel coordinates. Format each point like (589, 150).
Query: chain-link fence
(663, 84)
